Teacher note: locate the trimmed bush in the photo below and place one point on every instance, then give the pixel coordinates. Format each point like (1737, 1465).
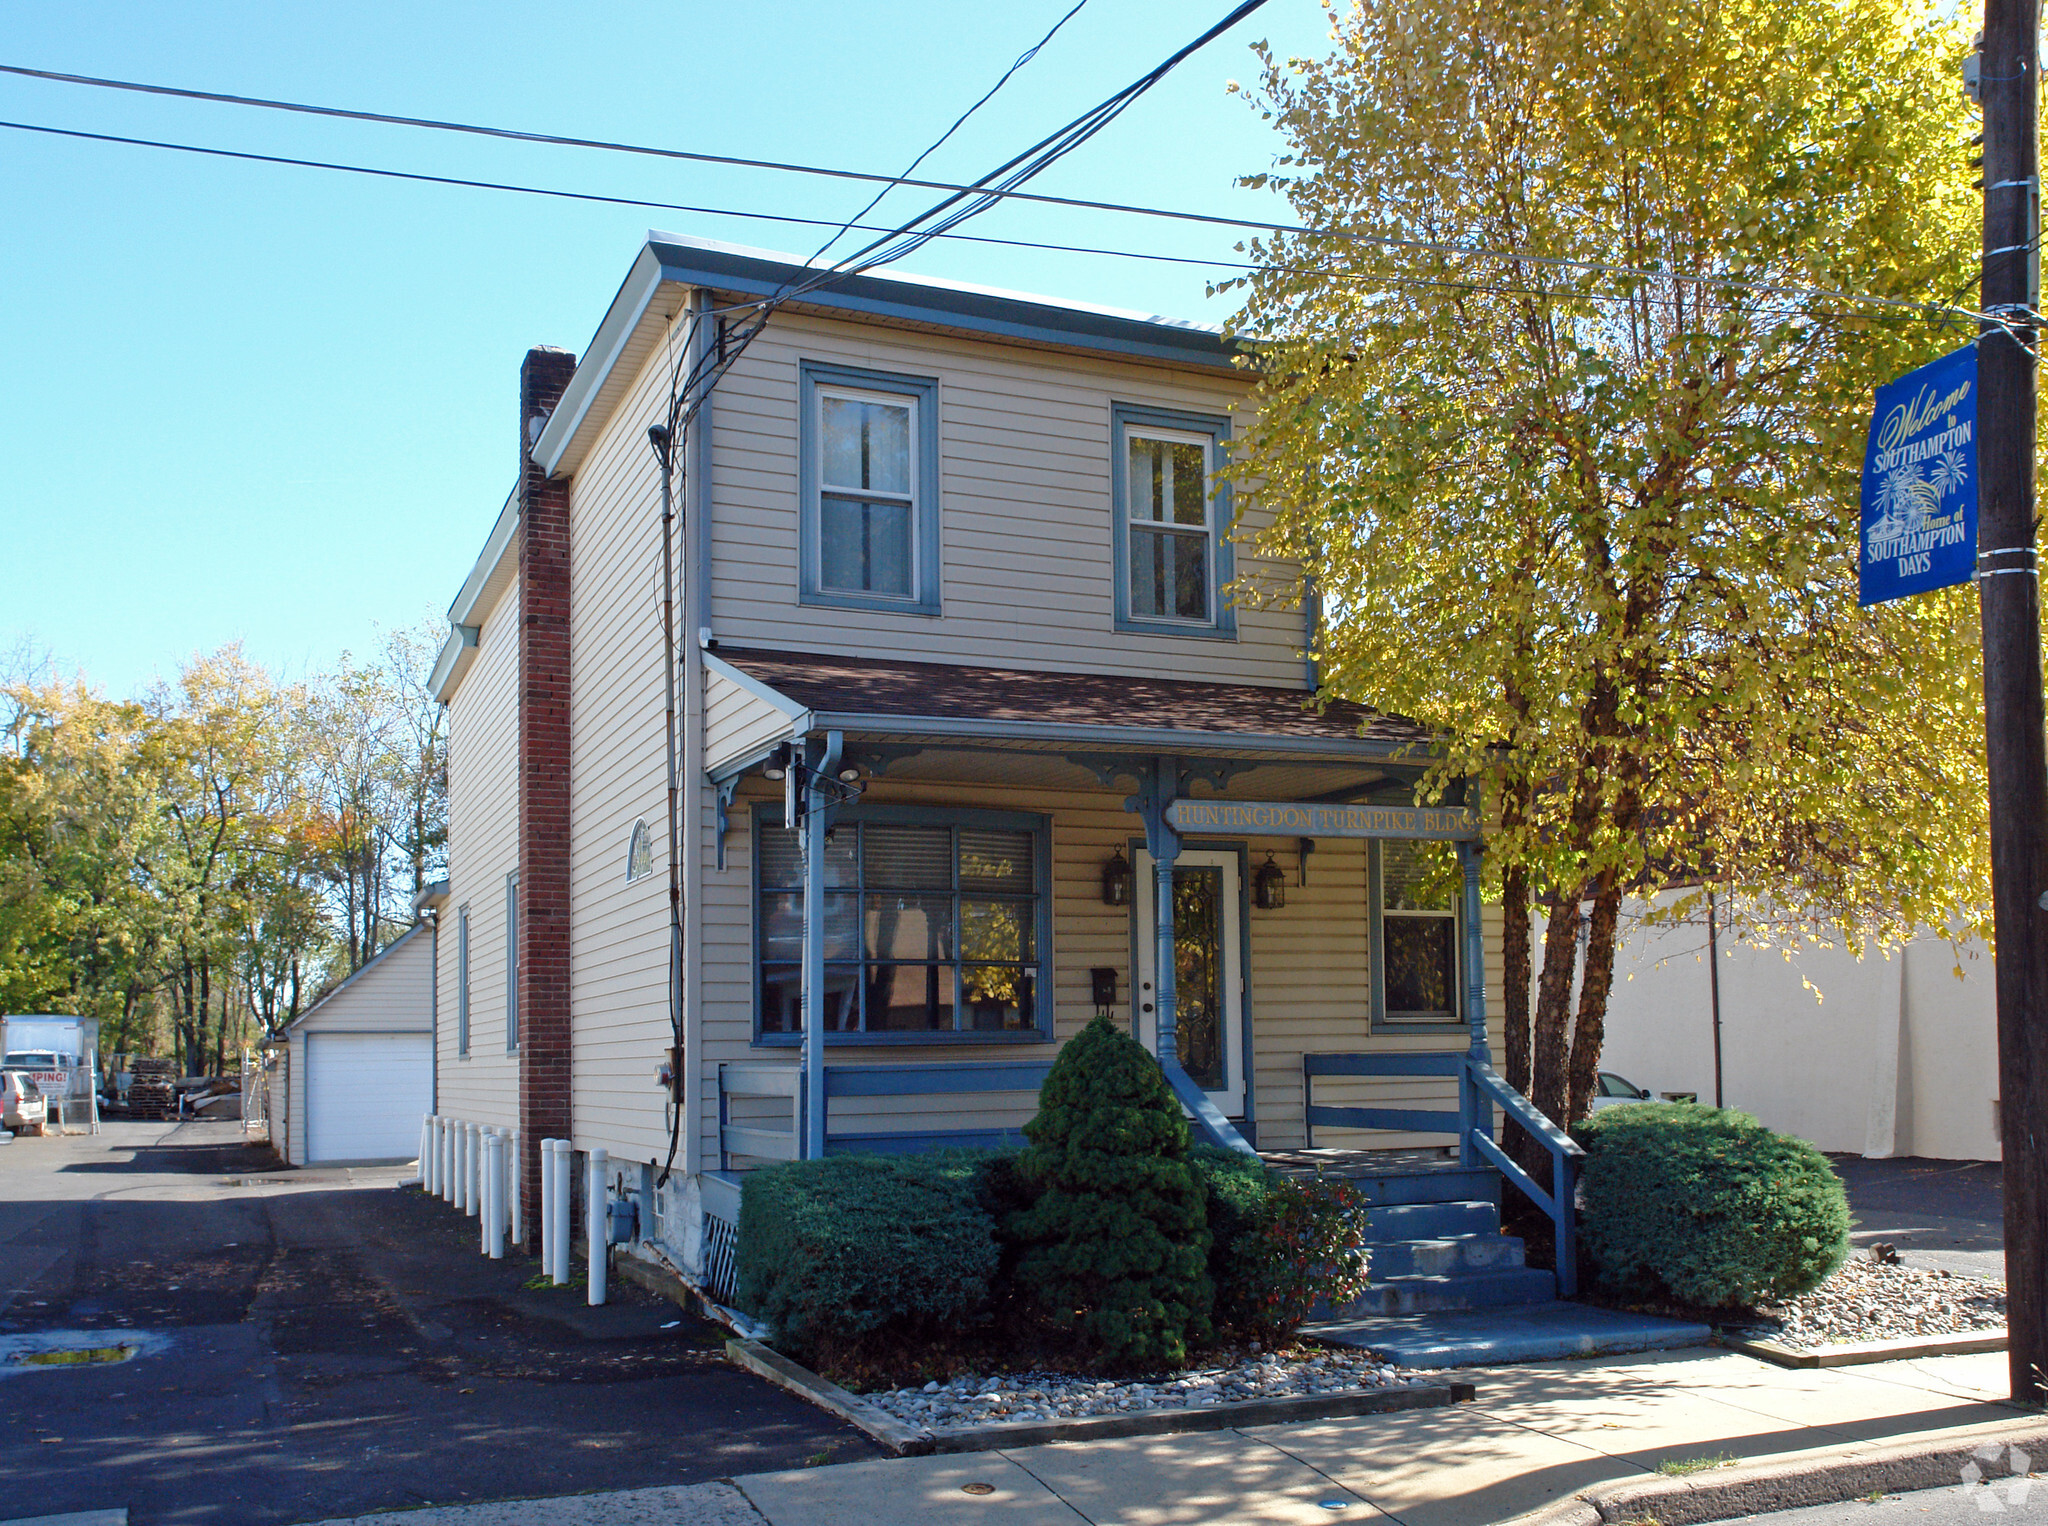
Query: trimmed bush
(1706, 1206)
(1115, 1245)
(864, 1251)
(1278, 1243)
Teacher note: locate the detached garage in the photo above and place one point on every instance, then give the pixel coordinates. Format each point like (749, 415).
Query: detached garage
(361, 1062)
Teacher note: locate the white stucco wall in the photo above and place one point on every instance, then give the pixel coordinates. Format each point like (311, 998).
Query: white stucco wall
(1888, 1055)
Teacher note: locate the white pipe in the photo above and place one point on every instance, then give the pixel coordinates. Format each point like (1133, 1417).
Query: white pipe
(444, 1161)
(547, 1205)
(473, 1181)
(565, 1205)
(515, 1188)
(456, 1140)
(486, 1188)
(599, 1168)
(419, 1177)
(462, 1137)
(494, 1236)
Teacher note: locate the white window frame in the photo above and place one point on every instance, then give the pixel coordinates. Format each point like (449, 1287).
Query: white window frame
(919, 396)
(1384, 1020)
(1133, 421)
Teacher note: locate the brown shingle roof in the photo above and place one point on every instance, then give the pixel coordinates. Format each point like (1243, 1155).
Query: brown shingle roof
(887, 687)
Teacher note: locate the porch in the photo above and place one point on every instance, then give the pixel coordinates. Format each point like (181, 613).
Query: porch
(1244, 883)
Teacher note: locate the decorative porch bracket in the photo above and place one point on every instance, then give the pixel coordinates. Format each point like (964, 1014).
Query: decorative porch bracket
(727, 789)
(820, 809)
(1160, 783)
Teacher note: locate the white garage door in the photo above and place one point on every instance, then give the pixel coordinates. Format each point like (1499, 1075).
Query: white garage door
(365, 1094)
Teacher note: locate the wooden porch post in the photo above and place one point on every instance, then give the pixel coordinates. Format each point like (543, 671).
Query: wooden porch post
(816, 823)
(1475, 1113)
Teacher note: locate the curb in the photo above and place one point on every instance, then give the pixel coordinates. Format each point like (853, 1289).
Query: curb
(912, 1441)
(1762, 1487)
(1854, 1353)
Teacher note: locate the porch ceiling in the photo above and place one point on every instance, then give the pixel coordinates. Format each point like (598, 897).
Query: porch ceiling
(911, 760)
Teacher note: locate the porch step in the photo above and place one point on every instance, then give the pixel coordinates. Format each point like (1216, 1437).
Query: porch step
(1445, 1185)
(1386, 1223)
(1466, 1289)
(1446, 1257)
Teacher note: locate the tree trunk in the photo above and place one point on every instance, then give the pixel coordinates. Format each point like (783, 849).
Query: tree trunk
(1590, 1031)
(1515, 975)
(1553, 1009)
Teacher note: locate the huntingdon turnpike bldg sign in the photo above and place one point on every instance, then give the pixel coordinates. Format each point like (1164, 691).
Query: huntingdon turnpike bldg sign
(1304, 819)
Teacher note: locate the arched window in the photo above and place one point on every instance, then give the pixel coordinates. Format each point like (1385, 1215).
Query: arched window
(639, 852)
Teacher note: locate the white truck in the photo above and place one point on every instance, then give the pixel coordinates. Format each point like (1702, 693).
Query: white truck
(62, 1053)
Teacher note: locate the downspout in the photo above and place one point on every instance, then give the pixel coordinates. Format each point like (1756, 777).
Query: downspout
(697, 628)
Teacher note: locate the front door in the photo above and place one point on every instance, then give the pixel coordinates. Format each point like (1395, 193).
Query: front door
(1208, 980)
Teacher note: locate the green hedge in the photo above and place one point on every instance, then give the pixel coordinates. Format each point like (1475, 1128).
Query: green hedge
(1706, 1206)
(856, 1249)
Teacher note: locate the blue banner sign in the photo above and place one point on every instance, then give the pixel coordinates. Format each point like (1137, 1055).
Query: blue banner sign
(1920, 481)
(1305, 819)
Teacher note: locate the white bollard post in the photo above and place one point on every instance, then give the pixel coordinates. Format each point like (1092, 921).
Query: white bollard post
(447, 1160)
(433, 1155)
(420, 1174)
(473, 1182)
(547, 1204)
(599, 1212)
(455, 1137)
(564, 1204)
(486, 1189)
(465, 1170)
(494, 1194)
(515, 1188)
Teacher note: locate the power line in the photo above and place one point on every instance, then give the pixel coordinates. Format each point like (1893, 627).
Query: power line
(1387, 241)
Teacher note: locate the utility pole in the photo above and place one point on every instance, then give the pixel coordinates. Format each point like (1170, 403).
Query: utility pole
(2010, 599)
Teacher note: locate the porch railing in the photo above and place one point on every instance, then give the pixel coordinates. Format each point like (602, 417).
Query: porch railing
(756, 1080)
(1480, 1088)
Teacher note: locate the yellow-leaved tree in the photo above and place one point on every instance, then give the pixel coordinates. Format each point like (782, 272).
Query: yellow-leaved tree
(1561, 411)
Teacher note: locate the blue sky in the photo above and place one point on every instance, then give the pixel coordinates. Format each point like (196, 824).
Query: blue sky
(277, 405)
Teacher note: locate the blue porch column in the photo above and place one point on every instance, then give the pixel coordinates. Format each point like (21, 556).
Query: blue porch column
(1475, 1112)
(818, 769)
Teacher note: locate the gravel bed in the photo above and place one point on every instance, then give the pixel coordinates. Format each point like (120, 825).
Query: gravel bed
(1868, 1301)
(973, 1401)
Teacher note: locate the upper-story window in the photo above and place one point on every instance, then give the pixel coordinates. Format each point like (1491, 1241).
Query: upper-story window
(870, 490)
(1173, 555)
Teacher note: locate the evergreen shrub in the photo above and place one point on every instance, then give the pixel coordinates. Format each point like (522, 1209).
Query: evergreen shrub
(1114, 1247)
(863, 1252)
(1706, 1206)
(1278, 1243)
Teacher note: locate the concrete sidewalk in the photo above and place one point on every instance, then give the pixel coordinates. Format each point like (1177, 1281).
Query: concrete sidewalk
(1536, 1434)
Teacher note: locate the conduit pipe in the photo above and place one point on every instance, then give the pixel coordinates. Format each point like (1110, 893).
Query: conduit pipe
(600, 1218)
(564, 1205)
(494, 1156)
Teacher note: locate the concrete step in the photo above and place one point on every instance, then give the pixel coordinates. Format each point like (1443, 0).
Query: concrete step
(1430, 1221)
(1445, 1257)
(1445, 1185)
(1493, 1288)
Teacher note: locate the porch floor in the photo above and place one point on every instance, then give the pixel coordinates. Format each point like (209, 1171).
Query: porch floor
(1362, 1163)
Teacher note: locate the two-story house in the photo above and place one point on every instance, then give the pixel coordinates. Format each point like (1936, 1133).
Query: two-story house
(979, 730)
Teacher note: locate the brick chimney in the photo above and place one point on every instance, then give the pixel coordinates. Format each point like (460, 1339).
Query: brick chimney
(543, 898)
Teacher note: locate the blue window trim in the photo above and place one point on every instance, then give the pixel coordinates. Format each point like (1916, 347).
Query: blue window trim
(1140, 892)
(812, 373)
(512, 962)
(1376, 951)
(1222, 557)
(462, 982)
(1040, 828)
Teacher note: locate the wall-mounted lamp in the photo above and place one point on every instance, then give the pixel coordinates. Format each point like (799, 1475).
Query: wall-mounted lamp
(1269, 886)
(1116, 881)
(1102, 986)
(777, 766)
(849, 775)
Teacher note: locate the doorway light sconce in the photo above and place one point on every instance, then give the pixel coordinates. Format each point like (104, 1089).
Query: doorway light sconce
(1269, 886)
(1116, 880)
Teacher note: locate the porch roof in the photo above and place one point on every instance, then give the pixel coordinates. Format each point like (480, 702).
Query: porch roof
(889, 695)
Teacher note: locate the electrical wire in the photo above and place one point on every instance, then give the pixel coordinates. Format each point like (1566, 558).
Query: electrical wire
(1011, 193)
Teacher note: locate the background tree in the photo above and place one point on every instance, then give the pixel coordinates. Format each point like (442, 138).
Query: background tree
(1562, 409)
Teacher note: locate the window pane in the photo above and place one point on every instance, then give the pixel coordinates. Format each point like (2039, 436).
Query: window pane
(782, 865)
(1421, 971)
(1169, 575)
(782, 998)
(999, 861)
(908, 858)
(998, 998)
(782, 926)
(864, 547)
(998, 930)
(910, 998)
(1419, 876)
(867, 444)
(1168, 482)
(910, 927)
(1197, 973)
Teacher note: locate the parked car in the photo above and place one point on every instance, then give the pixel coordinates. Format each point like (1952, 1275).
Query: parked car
(1613, 1091)
(23, 1107)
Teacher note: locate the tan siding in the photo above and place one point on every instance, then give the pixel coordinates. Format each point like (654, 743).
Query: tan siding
(618, 950)
(483, 847)
(736, 723)
(1306, 981)
(1025, 511)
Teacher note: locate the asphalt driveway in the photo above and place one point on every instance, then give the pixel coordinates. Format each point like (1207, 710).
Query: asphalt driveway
(323, 1343)
(1942, 1214)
